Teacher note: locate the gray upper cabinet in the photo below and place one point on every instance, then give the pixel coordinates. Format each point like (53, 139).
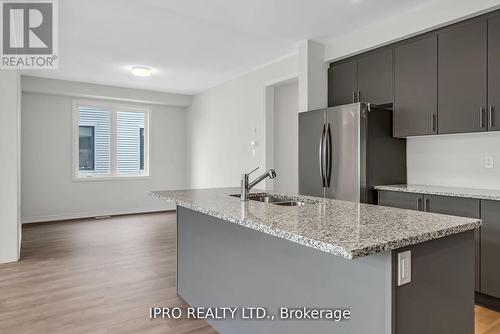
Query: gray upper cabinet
(368, 78)
(415, 88)
(490, 248)
(342, 83)
(375, 77)
(494, 73)
(462, 78)
(446, 81)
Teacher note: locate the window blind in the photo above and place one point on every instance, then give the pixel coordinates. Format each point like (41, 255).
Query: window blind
(128, 141)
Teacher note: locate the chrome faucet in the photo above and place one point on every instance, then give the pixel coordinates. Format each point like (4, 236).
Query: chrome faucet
(246, 185)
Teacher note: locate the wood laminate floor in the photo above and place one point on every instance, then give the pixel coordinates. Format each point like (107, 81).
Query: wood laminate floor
(94, 277)
(102, 276)
(487, 321)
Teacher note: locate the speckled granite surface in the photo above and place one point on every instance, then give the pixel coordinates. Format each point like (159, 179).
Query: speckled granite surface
(488, 194)
(341, 228)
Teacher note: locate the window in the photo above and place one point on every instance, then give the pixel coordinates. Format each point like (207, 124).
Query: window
(94, 141)
(87, 152)
(110, 141)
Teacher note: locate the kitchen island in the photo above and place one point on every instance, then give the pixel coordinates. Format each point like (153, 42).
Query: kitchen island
(324, 254)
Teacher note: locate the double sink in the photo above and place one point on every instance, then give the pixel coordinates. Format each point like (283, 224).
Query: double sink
(272, 199)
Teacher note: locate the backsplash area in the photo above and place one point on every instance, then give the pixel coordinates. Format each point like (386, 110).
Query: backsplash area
(455, 160)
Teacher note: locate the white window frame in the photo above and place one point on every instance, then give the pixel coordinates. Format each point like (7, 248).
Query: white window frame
(113, 108)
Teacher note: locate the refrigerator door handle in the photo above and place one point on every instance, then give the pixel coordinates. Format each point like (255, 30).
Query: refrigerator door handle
(328, 155)
(321, 156)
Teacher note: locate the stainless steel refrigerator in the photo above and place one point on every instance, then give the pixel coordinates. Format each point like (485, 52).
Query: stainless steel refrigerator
(345, 151)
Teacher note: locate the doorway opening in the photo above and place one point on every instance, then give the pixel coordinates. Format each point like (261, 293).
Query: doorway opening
(282, 108)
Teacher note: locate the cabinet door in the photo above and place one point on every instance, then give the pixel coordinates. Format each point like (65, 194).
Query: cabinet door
(400, 200)
(494, 73)
(375, 77)
(310, 131)
(415, 88)
(462, 78)
(490, 248)
(342, 83)
(463, 207)
(455, 206)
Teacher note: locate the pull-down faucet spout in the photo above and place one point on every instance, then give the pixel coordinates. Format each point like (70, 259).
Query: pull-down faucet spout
(246, 185)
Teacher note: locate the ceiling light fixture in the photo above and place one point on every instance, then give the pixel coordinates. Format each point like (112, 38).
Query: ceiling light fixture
(141, 71)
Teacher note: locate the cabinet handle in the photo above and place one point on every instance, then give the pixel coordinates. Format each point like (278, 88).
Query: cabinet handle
(322, 156)
(481, 117)
(433, 123)
(491, 122)
(359, 96)
(329, 155)
(419, 203)
(353, 96)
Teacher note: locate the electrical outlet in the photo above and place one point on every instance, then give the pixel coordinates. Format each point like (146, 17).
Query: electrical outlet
(404, 268)
(489, 162)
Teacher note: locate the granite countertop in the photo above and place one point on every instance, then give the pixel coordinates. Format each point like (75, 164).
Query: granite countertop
(346, 229)
(488, 194)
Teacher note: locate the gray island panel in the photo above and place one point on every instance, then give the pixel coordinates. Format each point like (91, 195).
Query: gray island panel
(440, 297)
(221, 264)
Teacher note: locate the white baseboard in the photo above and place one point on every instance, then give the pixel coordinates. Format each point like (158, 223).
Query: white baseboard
(91, 214)
(8, 259)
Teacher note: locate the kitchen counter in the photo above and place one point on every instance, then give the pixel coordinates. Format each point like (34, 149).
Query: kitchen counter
(349, 230)
(487, 194)
(271, 256)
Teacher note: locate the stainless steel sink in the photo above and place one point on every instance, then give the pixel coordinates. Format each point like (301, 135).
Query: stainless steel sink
(290, 203)
(277, 200)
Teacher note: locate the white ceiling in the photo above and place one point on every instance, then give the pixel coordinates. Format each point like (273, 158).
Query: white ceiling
(195, 44)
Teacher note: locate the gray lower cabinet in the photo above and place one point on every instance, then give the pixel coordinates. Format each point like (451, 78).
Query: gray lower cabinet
(462, 78)
(342, 83)
(415, 88)
(401, 200)
(455, 206)
(463, 207)
(494, 73)
(375, 77)
(490, 248)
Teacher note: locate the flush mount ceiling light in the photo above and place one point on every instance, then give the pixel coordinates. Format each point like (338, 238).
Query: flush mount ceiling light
(141, 71)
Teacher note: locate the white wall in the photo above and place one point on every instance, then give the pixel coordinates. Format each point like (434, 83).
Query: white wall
(48, 191)
(93, 91)
(220, 122)
(313, 76)
(285, 138)
(454, 160)
(9, 165)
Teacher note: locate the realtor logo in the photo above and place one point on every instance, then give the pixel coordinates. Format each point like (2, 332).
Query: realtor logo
(29, 34)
